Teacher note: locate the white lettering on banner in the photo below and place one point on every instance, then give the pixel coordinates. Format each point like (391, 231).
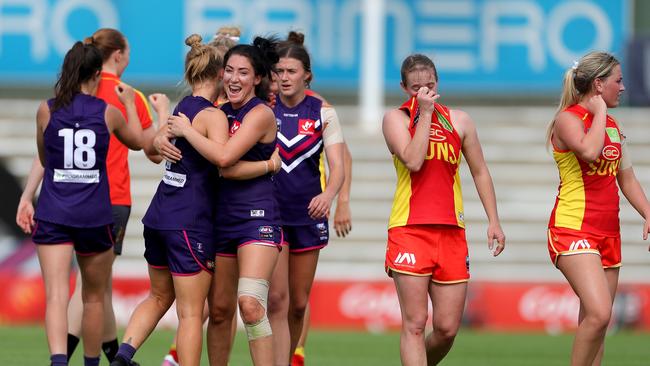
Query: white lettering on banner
(475, 30)
(44, 24)
(31, 23)
(556, 309)
(461, 34)
(378, 307)
(76, 176)
(528, 34)
(564, 13)
(174, 179)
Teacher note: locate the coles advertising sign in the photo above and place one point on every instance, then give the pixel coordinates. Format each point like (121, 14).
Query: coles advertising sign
(373, 305)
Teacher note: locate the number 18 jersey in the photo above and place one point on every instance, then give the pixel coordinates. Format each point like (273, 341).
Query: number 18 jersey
(75, 187)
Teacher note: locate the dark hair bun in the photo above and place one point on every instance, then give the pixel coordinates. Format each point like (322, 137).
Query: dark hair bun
(267, 47)
(296, 37)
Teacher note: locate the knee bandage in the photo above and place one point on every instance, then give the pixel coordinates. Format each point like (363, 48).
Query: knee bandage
(258, 289)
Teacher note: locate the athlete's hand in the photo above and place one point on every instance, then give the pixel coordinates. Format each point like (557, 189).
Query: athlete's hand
(275, 161)
(342, 219)
(160, 103)
(25, 216)
(272, 100)
(319, 207)
(125, 93)
(646, 230)
(495, 233)
(427, 99)
(596, 104)
(177, 125)
(165, 148)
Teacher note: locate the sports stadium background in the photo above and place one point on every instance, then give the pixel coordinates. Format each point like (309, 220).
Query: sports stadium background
(501, 61)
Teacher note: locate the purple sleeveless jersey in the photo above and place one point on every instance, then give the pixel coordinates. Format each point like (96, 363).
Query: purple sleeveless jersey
(253, 199)
(185, 196)
(75, 185)
(300, 140)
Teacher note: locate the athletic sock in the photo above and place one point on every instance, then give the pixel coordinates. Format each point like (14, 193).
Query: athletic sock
(126, 351)
(91, 361)
(173, 353)
(110, 349)
(58, 359)
(73, 341)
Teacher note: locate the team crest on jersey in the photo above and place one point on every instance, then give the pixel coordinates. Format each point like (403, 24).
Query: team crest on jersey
(306, 126)
(266, 232)
(235, 127)
(436, 134)
(611, 152)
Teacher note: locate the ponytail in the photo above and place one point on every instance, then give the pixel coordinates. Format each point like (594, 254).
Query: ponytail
(578, 81)
(81, 63)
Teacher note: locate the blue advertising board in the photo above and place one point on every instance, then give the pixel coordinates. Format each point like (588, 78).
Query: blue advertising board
(503, 46)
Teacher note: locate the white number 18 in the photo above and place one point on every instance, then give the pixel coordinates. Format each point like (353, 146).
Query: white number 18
(78, 148)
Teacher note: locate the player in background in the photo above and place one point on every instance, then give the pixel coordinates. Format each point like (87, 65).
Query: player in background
(308, 130)
(115, 51)
(74, 209)
(427, 254)
(248, 231)
(584, 237)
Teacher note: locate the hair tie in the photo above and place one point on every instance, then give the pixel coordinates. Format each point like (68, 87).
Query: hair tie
(575, 65)
(226, 35)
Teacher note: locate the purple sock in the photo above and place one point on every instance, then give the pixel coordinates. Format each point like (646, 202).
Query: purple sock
(91, 361)
(59, 360)
(126, 351)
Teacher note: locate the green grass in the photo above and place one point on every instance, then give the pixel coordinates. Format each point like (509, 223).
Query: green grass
(27, 346)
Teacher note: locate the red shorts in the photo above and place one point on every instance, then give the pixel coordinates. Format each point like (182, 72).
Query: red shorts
(563, 241)
(439, 251)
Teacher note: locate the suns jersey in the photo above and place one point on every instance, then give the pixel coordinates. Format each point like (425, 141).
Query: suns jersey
(431, 195)
(117, 163)
(587, 198)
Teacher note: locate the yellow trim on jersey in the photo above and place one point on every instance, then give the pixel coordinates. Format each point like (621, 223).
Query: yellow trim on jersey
(321, 168)
(570, 209)
(574, 252)
(146, 103)
(402, 202)
(618, 265)
(458, 196)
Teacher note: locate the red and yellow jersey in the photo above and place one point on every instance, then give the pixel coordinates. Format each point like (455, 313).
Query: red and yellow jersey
(117, 163)
(431, 195)
(587, 198)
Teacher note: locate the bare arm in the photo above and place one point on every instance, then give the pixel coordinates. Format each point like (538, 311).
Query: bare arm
(471, 148)
(634, 193)
(130, 134)
(342, 216)
(42, 119)
(320, 205)
(569, 132)
(258, 126)
(252, 169)
(161, 105)
(25, 212)
(410, 151)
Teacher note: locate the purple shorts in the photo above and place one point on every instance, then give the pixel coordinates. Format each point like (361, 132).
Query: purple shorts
(86, 240)
(302, 238)
(231, 238)
(183, 252)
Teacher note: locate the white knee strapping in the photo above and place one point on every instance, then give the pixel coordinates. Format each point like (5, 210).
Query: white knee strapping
(258, 289)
